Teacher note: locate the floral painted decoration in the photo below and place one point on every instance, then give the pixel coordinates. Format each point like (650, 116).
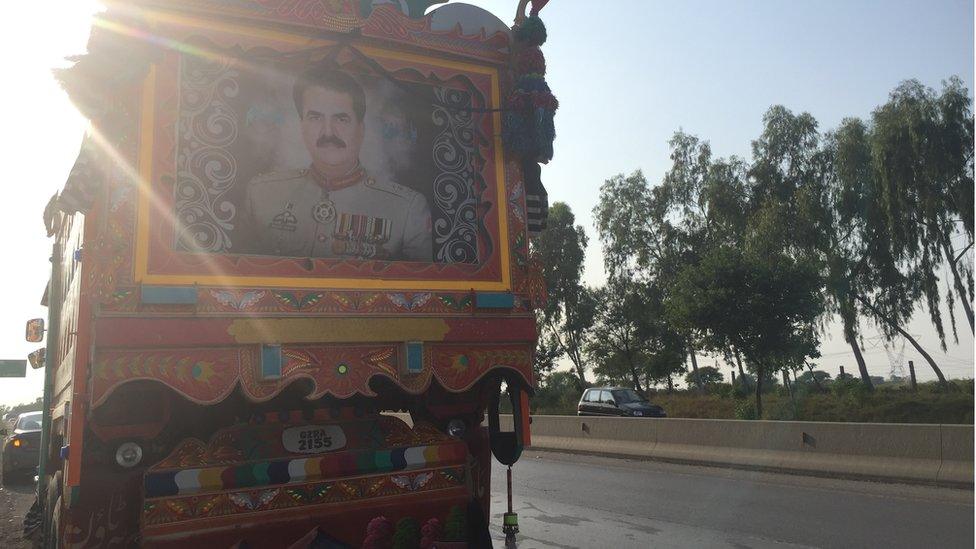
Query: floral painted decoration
(379, 533)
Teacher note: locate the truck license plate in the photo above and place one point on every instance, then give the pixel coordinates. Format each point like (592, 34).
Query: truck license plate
(313, 439)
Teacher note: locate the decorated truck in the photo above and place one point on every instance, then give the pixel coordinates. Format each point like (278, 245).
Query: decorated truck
(289, 221)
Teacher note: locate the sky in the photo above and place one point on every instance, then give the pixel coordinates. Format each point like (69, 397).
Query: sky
(627, 75)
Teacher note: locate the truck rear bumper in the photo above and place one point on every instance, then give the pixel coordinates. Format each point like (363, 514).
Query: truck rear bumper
(343, 522)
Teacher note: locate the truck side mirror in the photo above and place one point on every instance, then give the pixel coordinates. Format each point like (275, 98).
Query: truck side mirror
(36, 358)
(35, 330)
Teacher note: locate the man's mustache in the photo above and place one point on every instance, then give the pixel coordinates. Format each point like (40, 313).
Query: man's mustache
(330, 140)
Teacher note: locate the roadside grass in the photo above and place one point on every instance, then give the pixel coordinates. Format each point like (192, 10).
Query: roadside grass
(844, 401)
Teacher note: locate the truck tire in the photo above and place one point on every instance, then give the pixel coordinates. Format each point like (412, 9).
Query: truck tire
(53, 503)
(54, 487)
(53, 538)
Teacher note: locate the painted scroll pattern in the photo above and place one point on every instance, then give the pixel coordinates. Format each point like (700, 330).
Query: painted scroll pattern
(206, 170)
(455, 223)
(207, 376)
(202, 375)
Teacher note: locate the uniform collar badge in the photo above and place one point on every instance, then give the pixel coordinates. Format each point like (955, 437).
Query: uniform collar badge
(355, 176)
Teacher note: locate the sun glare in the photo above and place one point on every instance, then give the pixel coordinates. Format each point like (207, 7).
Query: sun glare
(42, 132)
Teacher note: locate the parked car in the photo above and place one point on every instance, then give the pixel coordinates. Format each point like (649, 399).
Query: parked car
(21, 446)
(616, 401)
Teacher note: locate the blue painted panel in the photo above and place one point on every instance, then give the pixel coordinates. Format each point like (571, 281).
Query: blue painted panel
(494, 300)
(270, 361)
(169, 295)
(415, 357)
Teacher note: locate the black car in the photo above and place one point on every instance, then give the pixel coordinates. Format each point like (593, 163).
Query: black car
(616, 401)
(21, 447)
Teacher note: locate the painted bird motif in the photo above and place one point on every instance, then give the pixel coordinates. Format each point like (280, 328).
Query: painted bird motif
(416, 302)
(254, 502)
(412, 483)
(235, 301)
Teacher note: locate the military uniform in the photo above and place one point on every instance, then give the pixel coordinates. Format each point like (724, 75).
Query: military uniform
(299, 213)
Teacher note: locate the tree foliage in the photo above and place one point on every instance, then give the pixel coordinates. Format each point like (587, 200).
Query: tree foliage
(21, 408)
(766, 307)
(632, 342)
(568, 315)
(818, 378)
(709, 375)
(922, 152)
(651, 234)
(791, 210)
(751, 259)
(547, 352)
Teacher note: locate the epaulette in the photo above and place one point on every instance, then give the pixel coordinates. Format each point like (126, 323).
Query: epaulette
(390, 187)
(283, 175)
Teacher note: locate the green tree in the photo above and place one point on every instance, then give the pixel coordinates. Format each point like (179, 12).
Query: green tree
(709, 375)
(922, 150)
(814, 377)
(557, 392)
(788, 211)
(698, 206)
(865, 275)
(868, 211)
(902, 190)
(618, 348)
(35, 406)
(546, 354)
(765, 306)
(567, 316)
(810, 199)
(621, 217)
(651, 234)
(667, 357)
(853, 248)
(634, 255)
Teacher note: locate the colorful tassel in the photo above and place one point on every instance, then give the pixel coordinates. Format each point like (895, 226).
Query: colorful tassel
(530, 61)
(528, 127)
(532, 32)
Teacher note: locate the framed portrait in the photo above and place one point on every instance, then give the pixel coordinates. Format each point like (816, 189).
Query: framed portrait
(272, 159)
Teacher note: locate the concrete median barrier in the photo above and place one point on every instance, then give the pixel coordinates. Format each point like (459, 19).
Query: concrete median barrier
(957, 453)
(919, 453)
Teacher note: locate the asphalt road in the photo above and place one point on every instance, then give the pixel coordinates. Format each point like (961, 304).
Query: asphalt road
(16, 496)
(570, 501)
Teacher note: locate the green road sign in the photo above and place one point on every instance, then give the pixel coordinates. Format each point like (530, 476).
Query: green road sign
(13, 368)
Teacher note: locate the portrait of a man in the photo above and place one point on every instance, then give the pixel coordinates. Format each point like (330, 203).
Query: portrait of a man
(334, 208)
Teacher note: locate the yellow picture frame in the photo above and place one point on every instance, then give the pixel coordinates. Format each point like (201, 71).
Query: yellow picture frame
(146, 160)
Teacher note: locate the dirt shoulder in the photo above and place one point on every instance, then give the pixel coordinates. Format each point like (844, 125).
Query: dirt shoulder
(16, 498)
